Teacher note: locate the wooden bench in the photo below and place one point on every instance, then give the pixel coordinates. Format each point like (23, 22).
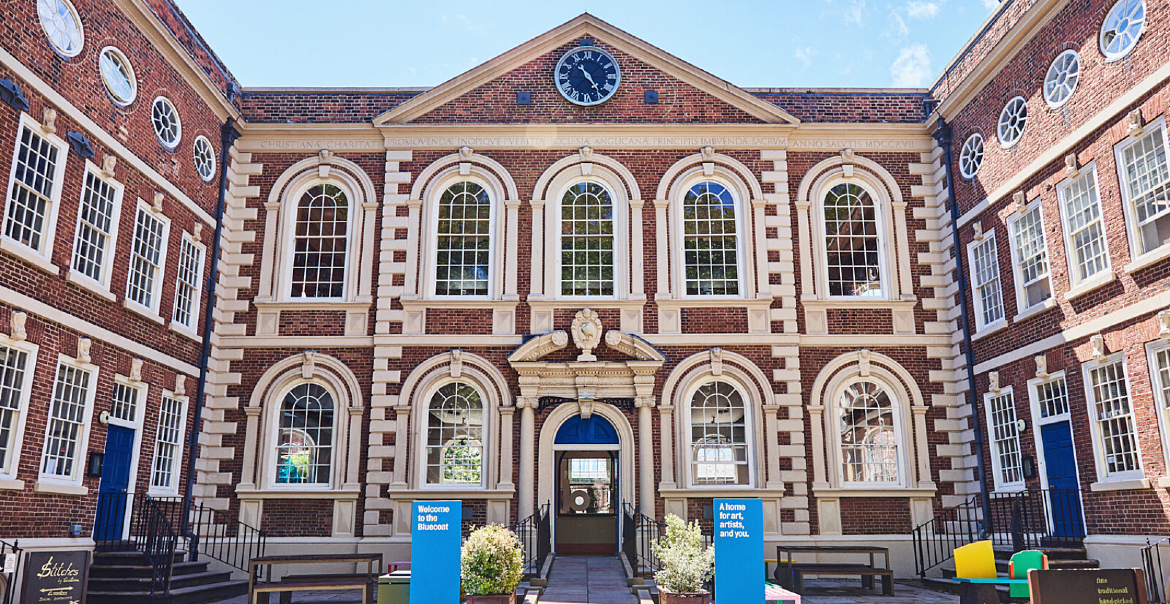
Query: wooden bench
(790, 573)
(286, 588)
(866, 572)
(258, 590)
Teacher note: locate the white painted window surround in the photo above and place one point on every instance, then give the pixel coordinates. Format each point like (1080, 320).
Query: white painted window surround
(168, 445)
(18, 360)
(1030, 257)
(719, 435)
(1122, 28)
(34, 194)
(62, 26)
(1115, 444)
(691, 199)
(1158, 352)
(1144, 173)
(96, 236)
(148, 256)
(189, 283)
(1086, 247)
(67, 430)
(971, 156)
(987, 292)
(1006, 453)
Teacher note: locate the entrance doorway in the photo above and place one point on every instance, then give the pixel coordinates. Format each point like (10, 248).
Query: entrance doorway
(1058, 461)
(112, 497)
(588, 504)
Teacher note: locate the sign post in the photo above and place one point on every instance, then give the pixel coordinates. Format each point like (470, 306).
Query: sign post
(435, 540)
(56, 577)
(739, 551)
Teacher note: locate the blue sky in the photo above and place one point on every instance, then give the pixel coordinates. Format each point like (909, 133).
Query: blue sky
(782, 43)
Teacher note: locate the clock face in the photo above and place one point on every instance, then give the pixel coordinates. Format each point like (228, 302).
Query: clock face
(587, 76)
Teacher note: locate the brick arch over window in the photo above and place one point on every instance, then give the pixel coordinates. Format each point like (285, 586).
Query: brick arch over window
(280, 215)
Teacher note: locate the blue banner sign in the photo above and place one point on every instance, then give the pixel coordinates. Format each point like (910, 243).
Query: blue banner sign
(739, 551)
(434, 552)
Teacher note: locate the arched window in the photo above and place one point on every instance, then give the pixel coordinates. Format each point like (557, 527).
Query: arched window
(464, 241)
(587, 241)
(719, 436)
(869, 436)
(304, 445)
(852, 247)
(710, 242)
(319, 253)
(455, 436)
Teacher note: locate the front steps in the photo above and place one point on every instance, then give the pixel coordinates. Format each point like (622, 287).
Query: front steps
(1059, 558)
(124, 577)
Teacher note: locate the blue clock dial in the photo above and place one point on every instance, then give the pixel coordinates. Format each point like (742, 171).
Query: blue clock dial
(587, 76)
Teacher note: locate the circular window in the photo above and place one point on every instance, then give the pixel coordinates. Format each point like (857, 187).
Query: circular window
(166, 122)
(62, 26)
(1061, 80)
(204, 158)
(118, 76)
(1012, 120)
(971, 156)
(1122, 28)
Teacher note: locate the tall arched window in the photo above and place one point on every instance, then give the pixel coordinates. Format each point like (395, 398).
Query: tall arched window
(304, 445)
(719, 436)
(464, 241)
(319, 253)
(852, 247)
(868, 434)
(710, 243)
(587, 241)
(455, 436)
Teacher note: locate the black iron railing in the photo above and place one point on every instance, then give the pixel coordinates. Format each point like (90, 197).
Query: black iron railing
(158, 540)
(210, 532)
(535, 533)
(639, 534)
(1021, 520)
(1154, 568)
(8, 581)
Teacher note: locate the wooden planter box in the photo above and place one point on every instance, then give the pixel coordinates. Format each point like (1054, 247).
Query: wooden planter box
(666, 597)
(500, 599)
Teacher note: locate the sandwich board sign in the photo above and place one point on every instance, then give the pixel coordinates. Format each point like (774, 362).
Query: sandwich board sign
(739, 550)
(435, 540)
(1112, 586)
(57, 577)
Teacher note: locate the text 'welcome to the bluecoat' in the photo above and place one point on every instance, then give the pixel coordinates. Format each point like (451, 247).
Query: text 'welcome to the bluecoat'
(429, 521)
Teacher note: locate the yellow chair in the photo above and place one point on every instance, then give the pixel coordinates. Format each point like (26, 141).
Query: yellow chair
(975, 561)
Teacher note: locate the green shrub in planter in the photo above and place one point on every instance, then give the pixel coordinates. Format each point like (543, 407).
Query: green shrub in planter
(686, 564)
(492, 561)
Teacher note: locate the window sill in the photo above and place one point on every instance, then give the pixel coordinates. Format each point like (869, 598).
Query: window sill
(1148, 258)
(442, 494)
(1133, 484)
(143, 311)
(989, 329)
(540, 303)
(1089, 285)
(887, 492)
(61, 489)
(162, 493)
(713, 302)
(873, 303)
(184, 331)
(311, 304)
(89, 284)
(1035, 310)
(29, 256)
(424, 303)
(11, 485)
(336, 494)
(728, 491)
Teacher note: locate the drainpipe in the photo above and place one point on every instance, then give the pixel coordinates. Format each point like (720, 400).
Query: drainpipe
(227, 137)
(943, 136)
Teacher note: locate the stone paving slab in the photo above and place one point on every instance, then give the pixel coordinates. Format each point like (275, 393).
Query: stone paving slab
(844, 591)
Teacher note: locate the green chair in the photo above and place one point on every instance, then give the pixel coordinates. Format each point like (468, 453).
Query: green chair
(1018, 567)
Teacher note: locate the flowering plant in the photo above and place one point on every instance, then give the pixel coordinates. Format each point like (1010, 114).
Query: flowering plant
(492, 561)
(686, 564)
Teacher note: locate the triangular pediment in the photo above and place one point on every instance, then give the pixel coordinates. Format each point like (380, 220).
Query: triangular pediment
(487, 93)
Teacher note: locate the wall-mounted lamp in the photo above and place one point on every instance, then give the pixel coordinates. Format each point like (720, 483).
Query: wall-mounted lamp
(95, 464)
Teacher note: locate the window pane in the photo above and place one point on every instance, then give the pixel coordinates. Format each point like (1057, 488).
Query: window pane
(455, 436)
(145, 259)
(1053, 398)
(1086, 235)
(66, 416)
(12, 373)
(869, 438)
(1032, 257)
(1114, 418)
(463, 241)
(985, 270)
(95, 219)
(304, 449)
(31, 192)
(710, 247)
(587, 241)
(1005, 440)
(187, 287)
(124, 404)
(851, 242)
(322, 231)
(167, 445)
(718, 435)
(1147, 177)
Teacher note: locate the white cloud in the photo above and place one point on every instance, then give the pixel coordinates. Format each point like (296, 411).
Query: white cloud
(805, 55)
(911, 69)
(920, 9)
(897, 27)
(990, 4)
(853, 13)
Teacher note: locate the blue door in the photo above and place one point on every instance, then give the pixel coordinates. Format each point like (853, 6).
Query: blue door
(1064, 488)
(112, 498)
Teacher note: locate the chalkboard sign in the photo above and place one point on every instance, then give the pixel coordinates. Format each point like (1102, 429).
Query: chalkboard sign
(55, 577)
(1114, 586)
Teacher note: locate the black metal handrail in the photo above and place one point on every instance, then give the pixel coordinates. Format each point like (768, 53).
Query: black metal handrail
(936, 539)
(158, 540)
(10, 581)
(232, 542)
(1156, 578)
(535, 534)
(639, 534)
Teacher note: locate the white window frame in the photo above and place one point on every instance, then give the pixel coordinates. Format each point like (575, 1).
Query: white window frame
(999, 123)
(9, 471)
(173, 488)
(100, 286)
(131, 77)
(1109, 58)
(495, 235)
(271, 440)
(1105, 274)
(197, 298)
(1098, 445)
(151, 311)
(884, 236)
(1001, 484)
(979, 155)
(1160, 398)
(1141, 256)
(169, 146)
(749, 432)
(139, 414)
(1021, 287)
(67, 54)
(988, 238)
(485, 440)
(743, 235)
(1072, 90)
(79, 462)
(1038, 422)
(901, 430)
(621, 275)
(290, 239)
(42, 256)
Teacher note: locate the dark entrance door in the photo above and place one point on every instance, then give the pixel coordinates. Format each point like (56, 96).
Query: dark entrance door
(112, 499)
(588, 504)
(1064, 488)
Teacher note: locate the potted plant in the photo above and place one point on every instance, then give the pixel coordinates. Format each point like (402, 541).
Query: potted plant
(491, 565)
(686, 564)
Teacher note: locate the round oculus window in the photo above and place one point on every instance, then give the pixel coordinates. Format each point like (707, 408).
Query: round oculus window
(1012, 121)
(1061, 80)
(1122, 28)
(204, 158)
(971, 156)
(118, 76)
(62, 25)
(165, 119)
